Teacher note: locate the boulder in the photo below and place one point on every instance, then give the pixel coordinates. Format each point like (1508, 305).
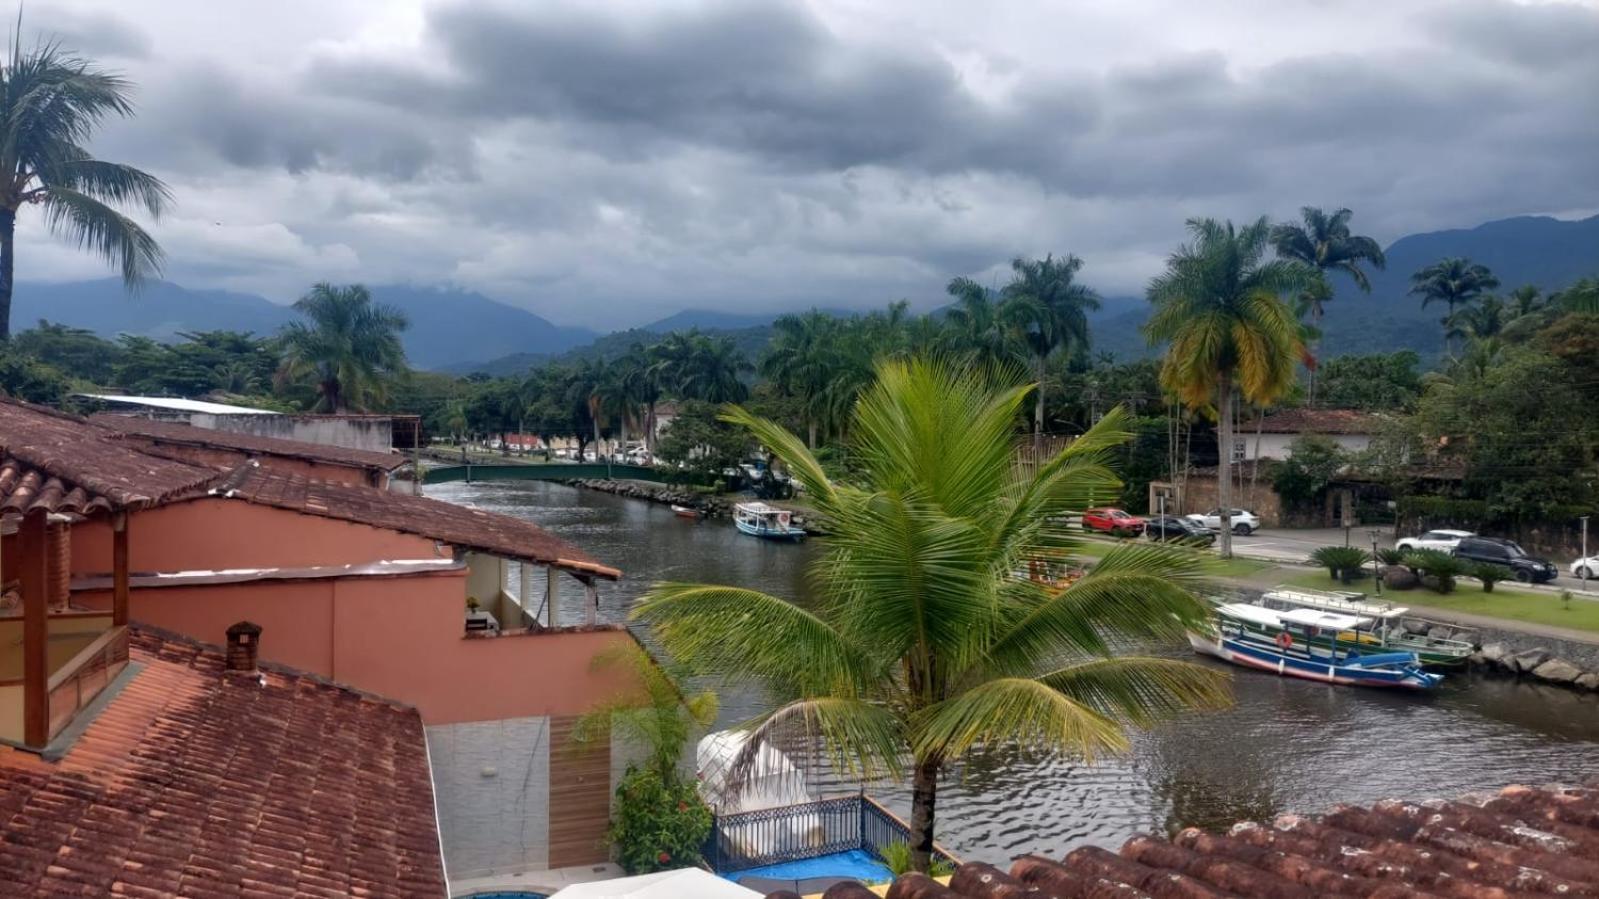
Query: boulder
(1494, 655)
(1439, 632)
(1557, 671)
(1525, 662)
(1589, 681)
(1397, 578)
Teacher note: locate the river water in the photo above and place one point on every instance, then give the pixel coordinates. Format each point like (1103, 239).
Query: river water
(1287, 745)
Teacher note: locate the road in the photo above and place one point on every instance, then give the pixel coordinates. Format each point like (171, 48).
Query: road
(1296, 545)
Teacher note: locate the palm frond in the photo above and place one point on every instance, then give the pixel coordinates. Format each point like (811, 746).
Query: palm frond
(1141, 690)
(854, 737)
(109, 234)
(1017, 711)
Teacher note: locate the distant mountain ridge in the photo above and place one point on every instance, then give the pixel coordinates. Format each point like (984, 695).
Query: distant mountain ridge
(447, 326)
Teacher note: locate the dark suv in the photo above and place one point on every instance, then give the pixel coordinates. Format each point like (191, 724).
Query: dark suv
(1509, 554)
(1170, 528)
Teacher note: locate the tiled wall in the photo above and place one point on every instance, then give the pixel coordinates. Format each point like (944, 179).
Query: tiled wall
(492, 782)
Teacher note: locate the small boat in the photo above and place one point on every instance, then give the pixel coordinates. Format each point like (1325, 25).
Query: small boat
(687, 512)
(1305, 645)
(1387, 630)
(767, 522)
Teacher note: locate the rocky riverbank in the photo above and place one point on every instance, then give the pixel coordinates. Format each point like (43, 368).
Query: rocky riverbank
(1536, 663)
(664, 494)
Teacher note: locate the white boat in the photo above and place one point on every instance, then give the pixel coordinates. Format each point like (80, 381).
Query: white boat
(1305, 643)
(767, 522)
(1387, 630)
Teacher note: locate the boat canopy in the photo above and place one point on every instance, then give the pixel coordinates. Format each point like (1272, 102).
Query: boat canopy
(1352, 603)
(1305, 617)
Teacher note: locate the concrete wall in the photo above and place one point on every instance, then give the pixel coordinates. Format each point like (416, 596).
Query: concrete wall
(1275, 446)
(217, 457)
(363, 432)
(213, 533)
(492, 783)
(1199, 495)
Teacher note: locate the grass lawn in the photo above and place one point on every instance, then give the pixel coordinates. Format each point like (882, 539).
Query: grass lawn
(1505, 602)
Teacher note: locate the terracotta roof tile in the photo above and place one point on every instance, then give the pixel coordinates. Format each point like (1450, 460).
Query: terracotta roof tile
(1522, 841)
(196, 783)
(58, 462)
(459, 525)
(1317, 421)
(167, 432)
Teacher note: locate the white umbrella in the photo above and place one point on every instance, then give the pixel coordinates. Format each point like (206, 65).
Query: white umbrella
(685, 883)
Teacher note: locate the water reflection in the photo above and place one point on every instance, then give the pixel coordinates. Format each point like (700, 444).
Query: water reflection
(1285, 745)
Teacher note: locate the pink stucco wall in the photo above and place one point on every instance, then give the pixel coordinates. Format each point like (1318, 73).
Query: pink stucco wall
(214, 533)
(400, 637)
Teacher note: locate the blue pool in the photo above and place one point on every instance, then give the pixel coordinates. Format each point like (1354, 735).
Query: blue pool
(815, 874)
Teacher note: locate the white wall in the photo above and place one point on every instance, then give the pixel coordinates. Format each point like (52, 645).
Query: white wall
(375, 434)
(1275, 446)
(492, 783)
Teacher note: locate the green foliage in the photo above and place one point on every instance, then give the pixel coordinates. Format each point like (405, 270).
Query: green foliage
(1490, 574)
(25, 378)
(659, 825)
(51, 102)
(1312, 464)
(897, 857)
(918, 569)
(1380, 382)
(1436, 568)
(67, 349)
(700, 441)
(1455, 282)
(1391, 556)
(347, 350)
(1341, 562)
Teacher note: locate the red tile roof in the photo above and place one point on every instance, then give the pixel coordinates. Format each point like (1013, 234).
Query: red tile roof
(167, 432)
(1317, 421)
(58, 462)
(1522, 841)
(191, 782)
(461, 526)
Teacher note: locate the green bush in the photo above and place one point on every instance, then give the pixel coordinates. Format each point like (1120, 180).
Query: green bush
(897, 858)
(1439, 567)
(658, 825)
(1342, 562)
(1490, 574)
(1391, 556)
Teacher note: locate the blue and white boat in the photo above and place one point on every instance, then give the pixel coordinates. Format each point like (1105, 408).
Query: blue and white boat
(766, 522)
(1306, 646)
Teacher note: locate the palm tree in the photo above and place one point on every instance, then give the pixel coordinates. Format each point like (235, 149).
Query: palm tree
(1524, 300)
(1048, 313)
(712, 370)
(974, 327)
(801, 360)
(1324, 243)
(922, 642)
(1221, 308)
(348, 349)
(50, 104)
(1485, 319)
(1455, 282)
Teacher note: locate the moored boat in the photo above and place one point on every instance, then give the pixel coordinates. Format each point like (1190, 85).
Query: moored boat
(1386, 631)
(766, 522)
(686, 511)
(1305, 646)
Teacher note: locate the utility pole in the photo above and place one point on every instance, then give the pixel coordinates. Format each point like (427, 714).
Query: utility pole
(1585, 563)
(1376, 569)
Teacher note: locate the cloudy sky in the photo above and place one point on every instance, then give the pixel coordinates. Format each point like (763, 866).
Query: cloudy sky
(607, 163)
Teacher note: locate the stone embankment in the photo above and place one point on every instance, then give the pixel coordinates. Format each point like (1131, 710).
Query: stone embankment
(1537, 663)
(664, 494)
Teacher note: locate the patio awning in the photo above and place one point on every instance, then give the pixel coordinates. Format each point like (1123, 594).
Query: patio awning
(680, 884)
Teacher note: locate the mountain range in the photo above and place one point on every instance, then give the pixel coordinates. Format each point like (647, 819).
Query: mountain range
(463, 331)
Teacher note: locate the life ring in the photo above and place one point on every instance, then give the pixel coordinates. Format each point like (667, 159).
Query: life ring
(1285, 640)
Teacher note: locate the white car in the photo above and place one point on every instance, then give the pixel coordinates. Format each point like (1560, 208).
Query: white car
(1244, 521)
(1591, 564)
(1443, 540)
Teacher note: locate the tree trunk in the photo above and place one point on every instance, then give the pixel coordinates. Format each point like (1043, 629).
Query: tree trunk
(1038, 411)
(810, 433)
(649, 429)
(1315, 351)
(1224, 463)
(924, 799)
(8, 228)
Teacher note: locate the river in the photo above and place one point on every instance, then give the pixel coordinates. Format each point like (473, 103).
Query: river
(1286, 745)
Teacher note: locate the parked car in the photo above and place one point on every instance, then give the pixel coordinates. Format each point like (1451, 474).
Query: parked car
(1591, 564)
(1244, 521)
(1527, 569)
(1112, 521)
(1443, 540)
(1172, 528)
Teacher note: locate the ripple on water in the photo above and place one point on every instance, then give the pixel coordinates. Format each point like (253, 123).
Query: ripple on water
(1285, 745)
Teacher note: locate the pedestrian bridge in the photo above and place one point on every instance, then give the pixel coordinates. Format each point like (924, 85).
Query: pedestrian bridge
(548, 471)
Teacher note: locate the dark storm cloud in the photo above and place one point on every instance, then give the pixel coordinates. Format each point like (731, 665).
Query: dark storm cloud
(96, 35)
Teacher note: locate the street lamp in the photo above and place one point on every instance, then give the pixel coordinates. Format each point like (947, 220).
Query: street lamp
(1376, 570)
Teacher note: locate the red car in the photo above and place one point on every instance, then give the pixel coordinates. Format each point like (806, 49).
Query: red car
(1112, 521)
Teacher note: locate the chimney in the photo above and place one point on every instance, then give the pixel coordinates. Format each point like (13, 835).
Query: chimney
(244, 641)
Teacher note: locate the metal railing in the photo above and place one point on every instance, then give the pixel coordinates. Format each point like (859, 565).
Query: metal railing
(789, 833)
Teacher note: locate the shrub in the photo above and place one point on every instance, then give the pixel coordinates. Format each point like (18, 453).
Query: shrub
(658, 825)
(897, 858)
(1439, 567)
(1490, 574)
(1391, 556)
(1342, 562)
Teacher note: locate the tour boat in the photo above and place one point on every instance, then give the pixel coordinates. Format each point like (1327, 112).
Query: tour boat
(1385, 632)
(768, 522)
(1305, 646)
(686, 512)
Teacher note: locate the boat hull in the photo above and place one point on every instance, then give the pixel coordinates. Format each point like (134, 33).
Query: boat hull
(1310, 667)
(1348, 642)
(787, 535)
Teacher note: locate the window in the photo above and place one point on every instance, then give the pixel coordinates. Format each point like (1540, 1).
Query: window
(1239, 447)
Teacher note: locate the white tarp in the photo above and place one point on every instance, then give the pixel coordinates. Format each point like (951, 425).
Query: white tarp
(775, 782)
(685, 883)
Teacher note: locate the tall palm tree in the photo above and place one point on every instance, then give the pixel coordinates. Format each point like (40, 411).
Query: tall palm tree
(1484, 319)
(975, 329)
(714, 370)
(348, 349)
(801, 360)
(1048, 313)
(922, 642)
(1325, 243)
(1454, 282)
(1221, 308)
(1524, 300)
(50, 104)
